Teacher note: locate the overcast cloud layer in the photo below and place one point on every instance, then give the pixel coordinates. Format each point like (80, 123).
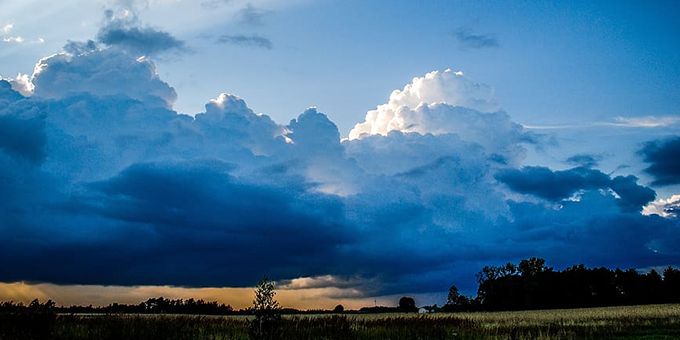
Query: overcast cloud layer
(102, 182)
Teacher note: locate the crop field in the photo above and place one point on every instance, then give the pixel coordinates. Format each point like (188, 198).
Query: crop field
(650, 321)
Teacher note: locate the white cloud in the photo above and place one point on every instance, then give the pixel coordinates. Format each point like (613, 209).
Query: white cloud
(16, 39)
(641, 122)
(22, 84)
(413, 109)
(664, 207)
(646, 121)
(104, 72)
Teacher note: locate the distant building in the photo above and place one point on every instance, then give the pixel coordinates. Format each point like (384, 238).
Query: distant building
(427, 309)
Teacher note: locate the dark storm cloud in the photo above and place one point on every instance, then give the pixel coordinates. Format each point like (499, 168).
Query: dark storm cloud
(633, 195)
(21, 137)
(246, 40)
(227, 232)
(591, 233)
(559, 185)
(663, 157)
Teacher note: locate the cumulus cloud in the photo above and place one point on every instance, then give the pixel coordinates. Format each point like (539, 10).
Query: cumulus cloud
(253, 40)
(146, 40)
(107, 72)
(430, 104)
(663, 157)
(21, 83)
(124, 30)
(104, 183)
(664, 207)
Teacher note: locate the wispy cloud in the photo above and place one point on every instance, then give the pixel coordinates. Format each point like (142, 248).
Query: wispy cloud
(17, 39)
(250, 15)
(213, 4)
(5, 37)
(246, 40)
(646, 121)
(468, 39)
(642, 122)
(585, 160)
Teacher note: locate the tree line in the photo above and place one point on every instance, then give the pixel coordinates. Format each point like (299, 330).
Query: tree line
(158, 305)
(531, 284)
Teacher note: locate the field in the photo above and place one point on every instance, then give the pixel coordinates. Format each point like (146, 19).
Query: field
(651, 322)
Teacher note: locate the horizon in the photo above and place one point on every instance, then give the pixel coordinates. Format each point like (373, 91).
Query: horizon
(367, 152)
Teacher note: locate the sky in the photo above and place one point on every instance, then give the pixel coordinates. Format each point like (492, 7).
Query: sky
(353, 151)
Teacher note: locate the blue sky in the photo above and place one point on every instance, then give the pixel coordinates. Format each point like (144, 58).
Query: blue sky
(558, 135)
(555, 62)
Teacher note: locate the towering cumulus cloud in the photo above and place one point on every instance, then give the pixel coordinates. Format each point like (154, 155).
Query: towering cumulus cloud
(108, 72)
(436, 103)
(102, 182)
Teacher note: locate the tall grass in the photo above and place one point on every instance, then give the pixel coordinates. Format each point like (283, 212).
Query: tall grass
(654, 321)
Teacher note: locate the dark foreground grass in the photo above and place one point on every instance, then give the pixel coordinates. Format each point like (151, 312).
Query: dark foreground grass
(651, 322)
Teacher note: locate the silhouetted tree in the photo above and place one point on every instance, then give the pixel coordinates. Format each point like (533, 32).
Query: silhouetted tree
(267, 322)
(453, 296)
(532, 267)
(532, 284)
(339, 309)
(407, 304)
(265, 303)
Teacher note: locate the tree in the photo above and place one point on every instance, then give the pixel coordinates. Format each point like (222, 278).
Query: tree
(407, 304)
(267, 311)
(264, 302)
(532, 266)
(454, 295)
(339, 309)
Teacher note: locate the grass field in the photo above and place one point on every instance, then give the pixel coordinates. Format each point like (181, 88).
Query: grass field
(651, 322)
